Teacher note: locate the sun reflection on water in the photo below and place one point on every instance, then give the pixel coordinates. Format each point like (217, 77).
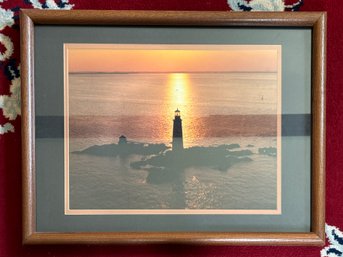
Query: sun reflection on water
(178, 85)
(179, 96)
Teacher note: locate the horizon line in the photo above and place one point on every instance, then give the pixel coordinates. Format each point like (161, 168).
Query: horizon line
(163, 72)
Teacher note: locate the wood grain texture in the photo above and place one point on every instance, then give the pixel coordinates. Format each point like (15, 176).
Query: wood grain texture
(28, 125)
(173, 18)
(318, 126)
(314, 20)
(177, 238)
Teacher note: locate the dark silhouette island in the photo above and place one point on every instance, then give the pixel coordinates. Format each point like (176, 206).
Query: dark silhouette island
(124, 148)
(165, 165)
(169, 165)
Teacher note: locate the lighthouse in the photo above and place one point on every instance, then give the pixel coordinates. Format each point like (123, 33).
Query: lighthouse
(177, 132)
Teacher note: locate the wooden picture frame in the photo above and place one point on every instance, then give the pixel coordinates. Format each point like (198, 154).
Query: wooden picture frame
(316, 21)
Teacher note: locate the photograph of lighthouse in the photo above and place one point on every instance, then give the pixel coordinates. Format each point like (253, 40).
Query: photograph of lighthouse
(172, 129)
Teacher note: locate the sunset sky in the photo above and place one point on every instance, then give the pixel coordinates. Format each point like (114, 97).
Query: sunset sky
(186, 78)
(171, 58)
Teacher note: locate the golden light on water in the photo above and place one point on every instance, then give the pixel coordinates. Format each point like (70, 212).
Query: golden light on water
(178, 89)
(179, 95)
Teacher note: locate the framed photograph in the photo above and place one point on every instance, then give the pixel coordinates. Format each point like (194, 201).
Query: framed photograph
(182, 127)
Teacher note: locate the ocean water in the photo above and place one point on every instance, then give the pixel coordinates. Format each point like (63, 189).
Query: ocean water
(101, 182)
(141, 106)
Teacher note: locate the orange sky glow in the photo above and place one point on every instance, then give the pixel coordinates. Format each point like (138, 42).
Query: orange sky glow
(169, 58)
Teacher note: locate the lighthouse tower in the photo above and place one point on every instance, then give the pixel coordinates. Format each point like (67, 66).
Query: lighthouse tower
(177, 132)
